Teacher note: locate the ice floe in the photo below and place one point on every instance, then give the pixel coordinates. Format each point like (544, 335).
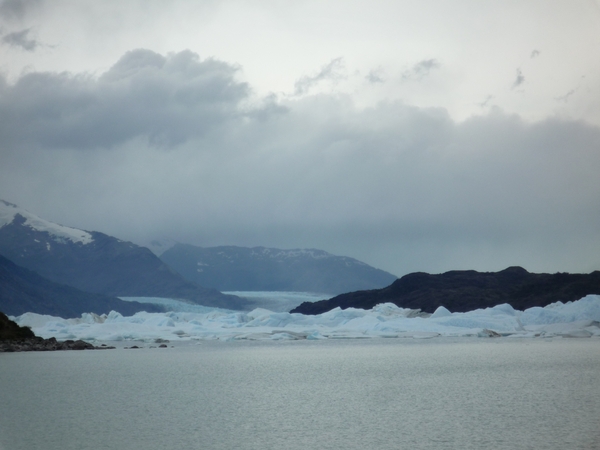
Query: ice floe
(573, 319)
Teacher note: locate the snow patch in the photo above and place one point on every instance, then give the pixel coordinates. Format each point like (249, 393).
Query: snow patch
(59, 233)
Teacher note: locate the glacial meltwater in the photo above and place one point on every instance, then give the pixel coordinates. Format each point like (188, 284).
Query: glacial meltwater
(445, 393)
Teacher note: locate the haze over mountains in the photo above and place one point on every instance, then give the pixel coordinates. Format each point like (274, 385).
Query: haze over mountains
(230, 268)
(22, 290)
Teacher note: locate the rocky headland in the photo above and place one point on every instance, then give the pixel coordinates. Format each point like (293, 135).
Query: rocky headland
(467, 290)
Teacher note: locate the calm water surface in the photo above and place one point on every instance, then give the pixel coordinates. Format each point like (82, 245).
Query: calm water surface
(378, 394)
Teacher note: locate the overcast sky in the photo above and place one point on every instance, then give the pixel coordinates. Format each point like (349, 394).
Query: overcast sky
(424, 135)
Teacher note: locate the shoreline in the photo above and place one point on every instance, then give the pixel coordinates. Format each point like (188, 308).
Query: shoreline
(39, 344)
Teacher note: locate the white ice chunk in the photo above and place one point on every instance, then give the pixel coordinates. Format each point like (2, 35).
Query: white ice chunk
(441, 312)
(573, 319)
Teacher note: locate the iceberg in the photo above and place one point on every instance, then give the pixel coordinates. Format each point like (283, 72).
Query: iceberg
(576, 319)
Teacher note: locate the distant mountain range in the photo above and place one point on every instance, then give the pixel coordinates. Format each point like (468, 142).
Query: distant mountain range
(95, 262)
(231, 268)
(53, 269)
(461, 291)
(22, 291)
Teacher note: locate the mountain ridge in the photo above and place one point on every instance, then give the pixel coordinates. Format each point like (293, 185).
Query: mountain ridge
(22, 290)
(235, 268)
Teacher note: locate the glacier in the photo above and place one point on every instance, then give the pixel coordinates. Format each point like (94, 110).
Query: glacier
(186, 322)
(278, 301)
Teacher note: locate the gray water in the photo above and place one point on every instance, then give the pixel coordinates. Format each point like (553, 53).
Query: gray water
(376, 394)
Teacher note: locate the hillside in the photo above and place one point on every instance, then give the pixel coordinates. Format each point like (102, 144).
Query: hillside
(22, 290)
(467, 290)
(231, 268)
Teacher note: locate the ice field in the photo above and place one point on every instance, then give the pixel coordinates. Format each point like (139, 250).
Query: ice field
(191, 322)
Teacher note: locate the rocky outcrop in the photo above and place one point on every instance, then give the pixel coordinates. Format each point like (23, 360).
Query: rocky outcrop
(38, 344)
(14, 338)
(467, 290)
(9, 330)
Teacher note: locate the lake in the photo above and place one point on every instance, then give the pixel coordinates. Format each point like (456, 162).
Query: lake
(463, 393)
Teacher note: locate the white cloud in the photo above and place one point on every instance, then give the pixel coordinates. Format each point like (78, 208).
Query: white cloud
(333, 72)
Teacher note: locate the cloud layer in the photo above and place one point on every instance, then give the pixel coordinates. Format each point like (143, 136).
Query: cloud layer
(165, 99)
(178, 146)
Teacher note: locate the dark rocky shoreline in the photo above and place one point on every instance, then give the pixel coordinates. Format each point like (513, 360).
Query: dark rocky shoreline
(38, 344)
(14, 338)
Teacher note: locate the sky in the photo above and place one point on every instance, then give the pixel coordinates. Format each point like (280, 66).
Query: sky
(421, 135)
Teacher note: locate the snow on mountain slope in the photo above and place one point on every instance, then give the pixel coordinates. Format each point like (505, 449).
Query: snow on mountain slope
(59, 233)
(309, 253)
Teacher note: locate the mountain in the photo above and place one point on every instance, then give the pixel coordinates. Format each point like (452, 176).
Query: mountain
(95, 262)
(22, 290)
(232, 268)
(461, 291)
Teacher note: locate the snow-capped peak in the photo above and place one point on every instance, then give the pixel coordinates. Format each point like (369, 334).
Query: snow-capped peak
(60, 233)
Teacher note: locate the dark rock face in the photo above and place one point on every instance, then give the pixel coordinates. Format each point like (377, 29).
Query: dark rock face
(22, 291)
(105, 265)
(9, 330)
(462, 291)
(231, 268)
(14, 338)
(38, 344)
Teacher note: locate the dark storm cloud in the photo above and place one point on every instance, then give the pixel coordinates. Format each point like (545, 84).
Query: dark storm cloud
(486, 102)
(375, 76)
(332, 71)
(21, 39)
(519, 80)
(565, 98)
(421, 69)
(166, 99)
(401, 187)
(16, 9)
